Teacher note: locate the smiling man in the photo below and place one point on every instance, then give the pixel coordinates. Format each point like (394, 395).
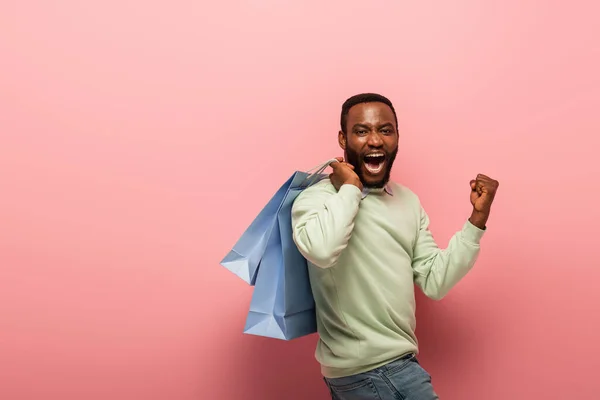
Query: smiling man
(367, 242)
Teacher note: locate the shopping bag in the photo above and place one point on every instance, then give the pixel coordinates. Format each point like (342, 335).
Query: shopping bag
(246, 255)
(244, 258)
(282, 305)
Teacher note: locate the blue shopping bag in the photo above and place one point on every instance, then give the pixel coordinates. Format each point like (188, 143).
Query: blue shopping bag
(244, 259)
(245, 256)
(282, 304)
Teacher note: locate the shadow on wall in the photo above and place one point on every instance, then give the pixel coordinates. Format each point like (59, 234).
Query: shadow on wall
(270, 369)
(446, 334)
(455, 334)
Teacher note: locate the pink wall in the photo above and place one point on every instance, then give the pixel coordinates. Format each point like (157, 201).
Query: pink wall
(134, 151)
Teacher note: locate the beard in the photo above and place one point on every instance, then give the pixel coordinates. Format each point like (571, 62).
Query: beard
(357, 161)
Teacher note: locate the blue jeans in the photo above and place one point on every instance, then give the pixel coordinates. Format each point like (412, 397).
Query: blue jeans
(403, 379)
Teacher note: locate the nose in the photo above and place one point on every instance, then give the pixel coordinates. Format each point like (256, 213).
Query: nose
(375, 140)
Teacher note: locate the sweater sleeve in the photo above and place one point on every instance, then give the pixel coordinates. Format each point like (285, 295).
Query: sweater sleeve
(323, 220)
(437, 270)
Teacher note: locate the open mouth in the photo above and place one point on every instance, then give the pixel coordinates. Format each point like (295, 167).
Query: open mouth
(374, 162)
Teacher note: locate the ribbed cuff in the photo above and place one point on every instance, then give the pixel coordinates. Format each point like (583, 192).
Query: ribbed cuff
(471, 233)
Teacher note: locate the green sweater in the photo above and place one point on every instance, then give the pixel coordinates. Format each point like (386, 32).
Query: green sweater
(366, 251)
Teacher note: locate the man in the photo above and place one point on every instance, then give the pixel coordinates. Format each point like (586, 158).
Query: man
(367, 242)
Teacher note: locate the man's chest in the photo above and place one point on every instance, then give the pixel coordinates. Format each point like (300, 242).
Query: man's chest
(387, 225)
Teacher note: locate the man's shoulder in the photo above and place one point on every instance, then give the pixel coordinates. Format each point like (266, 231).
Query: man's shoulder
(322, 185)
(401, 189)
(318, 189)
(313, 195)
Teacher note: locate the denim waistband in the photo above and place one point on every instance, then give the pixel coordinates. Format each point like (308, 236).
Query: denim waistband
(397, 361)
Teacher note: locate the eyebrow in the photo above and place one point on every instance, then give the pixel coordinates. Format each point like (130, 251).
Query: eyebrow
(387, 124)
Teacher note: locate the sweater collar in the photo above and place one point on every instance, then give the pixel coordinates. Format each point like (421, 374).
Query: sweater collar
(387, 188)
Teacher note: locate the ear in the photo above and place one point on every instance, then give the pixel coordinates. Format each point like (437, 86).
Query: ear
(342, 140)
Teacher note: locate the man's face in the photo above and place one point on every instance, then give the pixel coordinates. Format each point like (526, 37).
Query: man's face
(371, 142)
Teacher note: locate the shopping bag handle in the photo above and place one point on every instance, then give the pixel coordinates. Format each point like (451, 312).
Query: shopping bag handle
(318, 170)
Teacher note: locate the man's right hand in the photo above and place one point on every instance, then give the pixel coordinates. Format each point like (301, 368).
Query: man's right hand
(343, 173)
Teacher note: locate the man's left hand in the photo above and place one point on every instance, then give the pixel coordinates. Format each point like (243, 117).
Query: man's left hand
(483, 191)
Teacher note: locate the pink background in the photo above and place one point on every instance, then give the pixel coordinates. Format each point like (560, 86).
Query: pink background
(135, 150)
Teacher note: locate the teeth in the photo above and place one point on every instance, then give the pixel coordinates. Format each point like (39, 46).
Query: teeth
(374, 170)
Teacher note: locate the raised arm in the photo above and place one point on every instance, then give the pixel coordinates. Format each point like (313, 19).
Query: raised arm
(323, 216)
(437, 270)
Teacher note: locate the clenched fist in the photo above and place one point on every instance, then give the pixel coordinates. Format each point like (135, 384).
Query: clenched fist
(483, 191)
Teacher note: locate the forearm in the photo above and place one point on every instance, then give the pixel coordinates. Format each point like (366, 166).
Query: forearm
(439, 270)
(322, 227)
(479, 219)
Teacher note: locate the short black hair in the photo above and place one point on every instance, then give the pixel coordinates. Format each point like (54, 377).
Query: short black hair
(364, 98)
